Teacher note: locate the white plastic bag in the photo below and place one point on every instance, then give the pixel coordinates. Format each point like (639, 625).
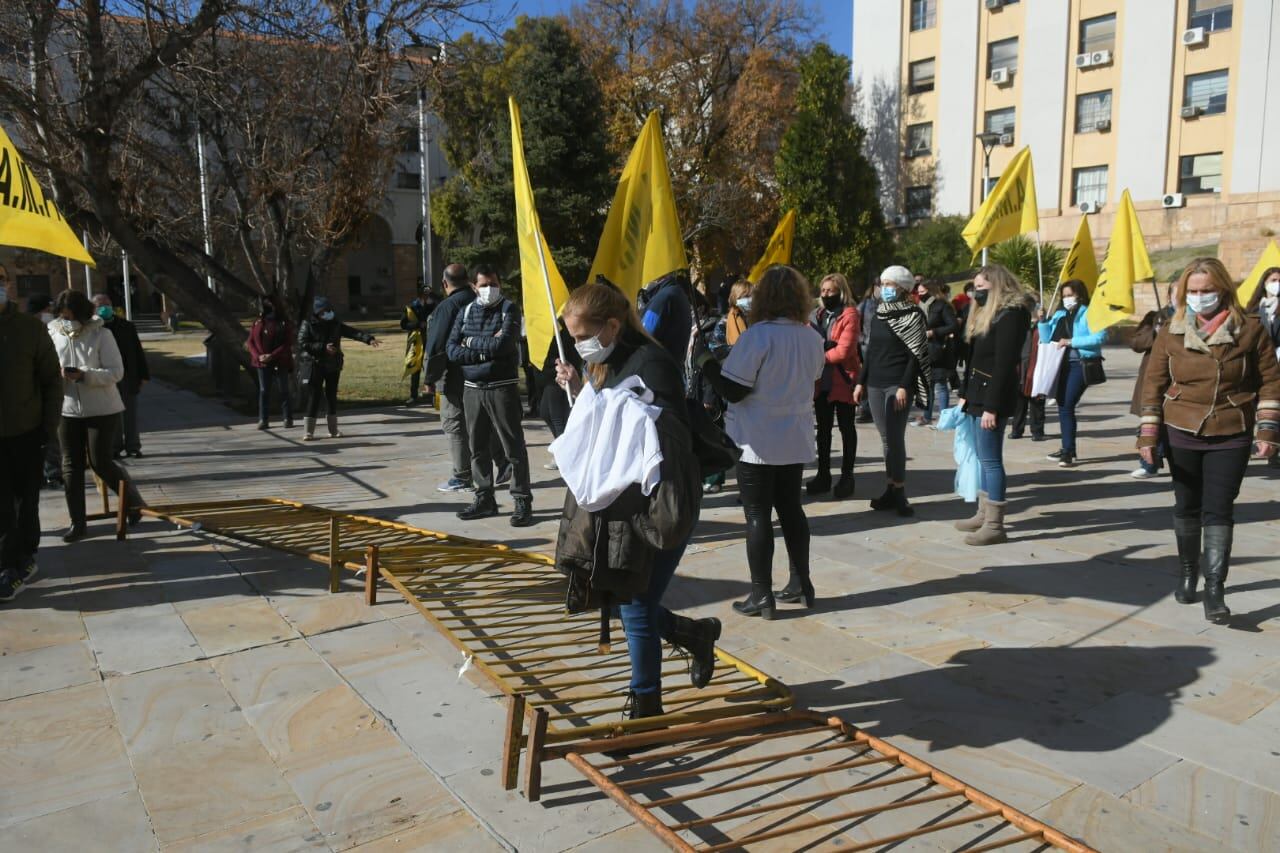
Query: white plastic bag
(1048, 364)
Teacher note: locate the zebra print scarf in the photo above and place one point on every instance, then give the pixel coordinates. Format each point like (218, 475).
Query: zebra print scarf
(907, 323)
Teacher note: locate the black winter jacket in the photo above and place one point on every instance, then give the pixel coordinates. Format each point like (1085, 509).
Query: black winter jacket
(608, 555)
(486, 343)
(991, 370)
(314, 336)
(436, 361)
(940, 318)
(131, 353)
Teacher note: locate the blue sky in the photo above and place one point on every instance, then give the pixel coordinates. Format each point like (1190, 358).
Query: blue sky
(834, 18)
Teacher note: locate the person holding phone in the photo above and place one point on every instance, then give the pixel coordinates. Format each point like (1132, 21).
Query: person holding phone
(91, 367)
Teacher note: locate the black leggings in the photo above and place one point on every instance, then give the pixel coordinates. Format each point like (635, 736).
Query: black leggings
(829, 414)
(765, 488)
(1206, 483)
(329, 379)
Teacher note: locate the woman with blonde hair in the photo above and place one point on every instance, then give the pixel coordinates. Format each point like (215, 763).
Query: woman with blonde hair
(997, 327)
(734, 322)
(837, 320)
(767, 380)
(1213, 383)
(614, 346)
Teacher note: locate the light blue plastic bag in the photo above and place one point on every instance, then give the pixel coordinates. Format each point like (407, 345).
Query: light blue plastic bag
(968, 472)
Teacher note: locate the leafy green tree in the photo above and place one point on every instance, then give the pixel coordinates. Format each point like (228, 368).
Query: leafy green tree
(934, 247)
(823, 174)
(541, 66)
(1018, 255)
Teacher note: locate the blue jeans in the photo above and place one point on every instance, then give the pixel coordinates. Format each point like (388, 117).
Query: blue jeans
(939, 394)
(268, 376)
(645, 622)
(990, 447)
(1070, 389)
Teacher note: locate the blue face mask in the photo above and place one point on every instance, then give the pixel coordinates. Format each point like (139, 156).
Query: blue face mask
(106, 313)
(888, 294)
(744, 304)
(327, 315)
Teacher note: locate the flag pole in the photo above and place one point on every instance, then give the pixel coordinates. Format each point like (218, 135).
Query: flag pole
(1039, 267)
(551, 301)
(1155, 288)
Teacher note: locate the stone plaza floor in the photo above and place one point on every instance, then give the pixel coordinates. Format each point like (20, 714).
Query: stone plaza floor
(183, 692)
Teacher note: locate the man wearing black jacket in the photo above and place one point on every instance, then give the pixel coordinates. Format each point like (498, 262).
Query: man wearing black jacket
(485, 343)
(135, 373)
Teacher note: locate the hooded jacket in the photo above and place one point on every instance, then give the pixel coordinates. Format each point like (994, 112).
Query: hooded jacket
(93, 349)
(30, 383)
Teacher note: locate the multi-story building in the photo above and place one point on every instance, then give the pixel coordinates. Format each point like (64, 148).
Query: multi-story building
(1173, 100)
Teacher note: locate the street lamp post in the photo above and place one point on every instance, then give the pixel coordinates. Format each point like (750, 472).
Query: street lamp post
(989, 142)
(425, 171)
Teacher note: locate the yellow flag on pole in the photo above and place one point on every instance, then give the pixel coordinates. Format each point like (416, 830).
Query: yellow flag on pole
(779, 249)
(642, 239)
(1270, 258)
(543, 286)
(1126, 262)
(28, 218)
(1010, 208)
(1081, 263)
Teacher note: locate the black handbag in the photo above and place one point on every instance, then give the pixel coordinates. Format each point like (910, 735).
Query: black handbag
(714, 450)
(1093, 372)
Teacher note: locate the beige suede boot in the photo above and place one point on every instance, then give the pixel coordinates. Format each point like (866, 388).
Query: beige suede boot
(992, 530)
(969, 525)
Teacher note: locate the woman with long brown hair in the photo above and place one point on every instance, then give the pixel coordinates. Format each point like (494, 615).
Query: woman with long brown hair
(614, 346)
(1213, 383)
(767, 380)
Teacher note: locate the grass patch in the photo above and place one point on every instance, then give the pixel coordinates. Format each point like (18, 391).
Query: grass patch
(1171, 262)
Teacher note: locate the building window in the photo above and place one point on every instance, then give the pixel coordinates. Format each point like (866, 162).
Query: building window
(1002, 54)
(1098, 34)
(919, 202)
(999, 121)
(408, 181)
(1092, 108)
(920, 77)
(991, 184)
(919, 139)
(1207, 91)
(1090, 184)
(1200, 173)
(1213, 15)
(924, 14)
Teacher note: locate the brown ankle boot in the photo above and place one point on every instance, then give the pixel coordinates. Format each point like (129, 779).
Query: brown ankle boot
(969, 525)
(992, 530)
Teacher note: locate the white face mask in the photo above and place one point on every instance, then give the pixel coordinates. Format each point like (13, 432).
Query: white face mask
(1069, 302)
(69, 327)
(592, 351)
(744, 304)
(487, 295)
(46, 317)
(1273, 288)
(1202, 303)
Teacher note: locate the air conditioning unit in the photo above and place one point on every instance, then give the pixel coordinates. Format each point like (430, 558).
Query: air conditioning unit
(1101, 125)
(1194, 36)
(1100, 57)
(900, 220)
(1174, 200)
(1084, 60)
(1002, 76)
(1006, 139)
(1089, 206)
(1192, 112)
(995, 5)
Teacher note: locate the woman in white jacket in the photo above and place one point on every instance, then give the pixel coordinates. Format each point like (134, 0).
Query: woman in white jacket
(91, 405)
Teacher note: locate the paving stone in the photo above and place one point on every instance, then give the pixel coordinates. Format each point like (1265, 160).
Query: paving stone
(117, 822)
(173, 705)
(234, 626)
(289, 831)
(457, 832)
(46, 668)
(1236, 813)
(139, 638)
(26, 629)
(1108, 823)
(269, 673)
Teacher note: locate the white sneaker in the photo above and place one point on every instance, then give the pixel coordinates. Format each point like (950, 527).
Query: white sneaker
(551, 466)
(1143, 474)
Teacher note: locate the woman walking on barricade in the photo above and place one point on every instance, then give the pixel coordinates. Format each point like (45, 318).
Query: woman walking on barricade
(614, 347)
(91, 405)
(768, 382)
(320, 361)
(895, 371)
(1212, 382)
(1068, 327)
(838, 322)
(998, 325)
(271, 353)
(941, 330)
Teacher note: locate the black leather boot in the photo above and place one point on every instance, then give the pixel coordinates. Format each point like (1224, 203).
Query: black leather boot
(844, 486)
(1217, 556)
(799, 588)
(885, 501)
(1187, 533)
(820, 484)
(900, 503)
(638, 705)
(697, 638)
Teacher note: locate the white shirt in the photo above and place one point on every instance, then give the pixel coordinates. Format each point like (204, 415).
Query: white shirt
(609, 442)
(779, 360)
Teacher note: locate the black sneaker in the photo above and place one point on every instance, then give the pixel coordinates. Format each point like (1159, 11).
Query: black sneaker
(523, 515)
(1039, 436)
(74, 533)
(30, 570)
(1054, 456)
(10, 586)
(481, 507)
(1067, 460)
(136, 454)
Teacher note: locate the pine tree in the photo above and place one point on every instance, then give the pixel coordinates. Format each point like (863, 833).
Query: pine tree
(823, 174)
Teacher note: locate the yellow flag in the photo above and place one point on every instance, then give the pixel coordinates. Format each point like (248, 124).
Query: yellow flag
(1270, 258)
(642, 239)
(1081, 263)
(1009, 210)
(543, 286)
(27, 217)
(779, 249)
(1126, 262)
